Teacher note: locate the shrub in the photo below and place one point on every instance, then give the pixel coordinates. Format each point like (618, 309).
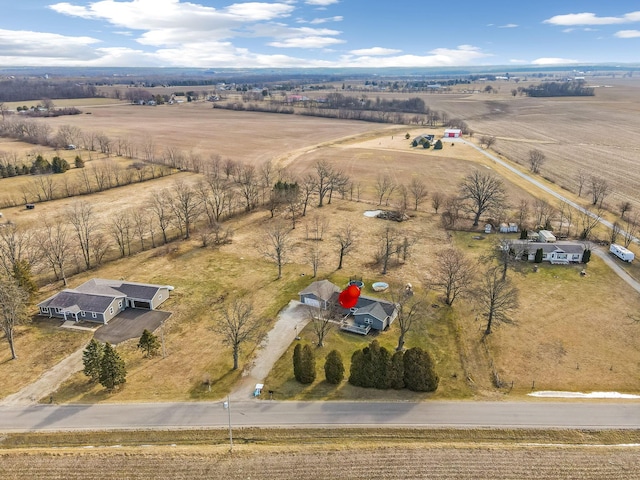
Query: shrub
(307, 365)
(438, 145)
(538, 257)
(586, 256)
(334, 368)
(419, 374)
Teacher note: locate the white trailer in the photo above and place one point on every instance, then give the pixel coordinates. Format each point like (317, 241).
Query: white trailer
(621, 252)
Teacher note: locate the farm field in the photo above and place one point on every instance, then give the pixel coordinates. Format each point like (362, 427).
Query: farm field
(568, 334)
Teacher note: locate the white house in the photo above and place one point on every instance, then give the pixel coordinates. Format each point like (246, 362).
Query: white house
(452, 133)
(555, 253)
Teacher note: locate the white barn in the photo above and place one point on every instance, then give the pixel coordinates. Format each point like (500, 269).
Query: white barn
(452, 133)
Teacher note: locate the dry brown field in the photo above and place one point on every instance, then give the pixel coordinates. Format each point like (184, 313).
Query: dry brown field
(390, 461)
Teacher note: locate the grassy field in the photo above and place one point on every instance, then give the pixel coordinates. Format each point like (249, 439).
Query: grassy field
(329, 454)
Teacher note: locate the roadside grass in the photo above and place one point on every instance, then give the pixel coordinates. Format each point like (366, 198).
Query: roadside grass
(40, 345)
(301, 437)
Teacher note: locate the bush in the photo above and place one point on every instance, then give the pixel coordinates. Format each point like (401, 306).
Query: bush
(334, 368)
(438, 145)
(586, 256)
(538, 257)
(79, 162)
(419, 374)
(59, 165)
(308, 365)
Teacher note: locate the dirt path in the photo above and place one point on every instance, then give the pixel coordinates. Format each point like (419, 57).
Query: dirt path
(48, 382)
(291, 319)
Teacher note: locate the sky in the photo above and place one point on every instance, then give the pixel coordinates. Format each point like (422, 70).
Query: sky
(317, 33)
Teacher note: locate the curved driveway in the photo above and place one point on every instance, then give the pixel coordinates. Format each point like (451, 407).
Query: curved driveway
(620, 415)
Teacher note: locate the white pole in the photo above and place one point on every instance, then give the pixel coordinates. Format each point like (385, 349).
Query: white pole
(230, 434)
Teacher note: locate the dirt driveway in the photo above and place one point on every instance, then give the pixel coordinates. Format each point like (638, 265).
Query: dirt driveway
(130, 324)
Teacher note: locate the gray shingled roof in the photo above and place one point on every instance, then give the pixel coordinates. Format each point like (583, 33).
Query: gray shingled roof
(137, 291)
(566, 247)
(72, 300)
(323, 289)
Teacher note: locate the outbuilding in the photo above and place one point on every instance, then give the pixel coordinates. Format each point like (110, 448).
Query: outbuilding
(452, 133)
(546, 236)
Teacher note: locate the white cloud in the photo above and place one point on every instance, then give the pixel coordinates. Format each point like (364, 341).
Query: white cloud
(439, 57)
(588, 18)
(517, 61)
(316, 21)
(321, 3)
(374, 51)
(306, 42)
(627, 34)
(553, 61)
(509, 25)
(22, 43)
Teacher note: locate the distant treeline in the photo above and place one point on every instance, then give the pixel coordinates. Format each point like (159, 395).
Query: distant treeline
(556, 89)
(17, 90)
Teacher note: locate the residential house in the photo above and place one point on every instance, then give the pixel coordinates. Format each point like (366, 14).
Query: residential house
(555, 253)
(100, 300)
(320, 294)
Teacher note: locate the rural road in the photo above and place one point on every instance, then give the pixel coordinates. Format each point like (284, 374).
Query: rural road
(263, 413)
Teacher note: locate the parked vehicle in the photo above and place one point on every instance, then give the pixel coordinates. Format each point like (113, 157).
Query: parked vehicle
(621, 252)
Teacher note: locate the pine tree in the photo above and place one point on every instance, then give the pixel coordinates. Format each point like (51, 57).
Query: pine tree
(396, 371)
(24, 277)
(297, 362)
(586, 256)
(419, 374)
(355, 371)
(112, 368)
(308, 365)
(538, 257)
(92, 359)
(334, 368)
(438, 145)
(149, 343)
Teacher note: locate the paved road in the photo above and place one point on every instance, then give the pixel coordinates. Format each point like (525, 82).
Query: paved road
(622, 414)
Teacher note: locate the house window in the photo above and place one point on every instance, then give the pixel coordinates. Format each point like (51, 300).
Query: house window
(120, 304)
(45, 309)
(110, 309)
(160, 297)
(83, 314)
(368, 321)
(93, 315)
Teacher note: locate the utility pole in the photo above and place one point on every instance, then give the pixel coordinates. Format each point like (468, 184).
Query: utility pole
(227, 405)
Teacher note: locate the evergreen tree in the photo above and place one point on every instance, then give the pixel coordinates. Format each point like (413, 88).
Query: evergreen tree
(355, 371)
(79, 162)
(334, 368)
(59, 165)
(538, 257)
(92, 359)
(438, 145)
(22, 274)
(149, 343)
(396, 371)
(308, 365)
(297, 362)
(586, 256)
(381, 363)
(419, 374)
(112, 368)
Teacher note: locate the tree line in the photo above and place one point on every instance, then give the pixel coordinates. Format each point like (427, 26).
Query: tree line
(17, 90)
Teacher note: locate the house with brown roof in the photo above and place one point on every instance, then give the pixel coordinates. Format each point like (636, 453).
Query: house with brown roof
(99, 300)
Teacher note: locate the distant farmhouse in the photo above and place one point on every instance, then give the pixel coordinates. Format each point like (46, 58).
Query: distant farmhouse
(100, 300)
(369, 313)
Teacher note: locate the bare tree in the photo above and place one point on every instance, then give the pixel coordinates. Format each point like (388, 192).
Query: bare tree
(615, 231)
(581, 180)
(453, 274)
(624, 207)
(13, 306)
(599, 190)
(237, 326)
(186, 206)
(322, 322)
(345, 239)
(324, 174)
(484, 191)
(631, 229)
(316, 227)
(276, 245)
(384, 184)
(588, 221)
(140, 223)
(15, 247)
(436, 200)
(409, 311)
(523, 214)
(544, 213)
(161, 208)
(248, 183)
(54, 242)
(85, 226)
(419, 192)
(497, 298)
(388, 245)
(451, 214)
(487, 140)
(120, 229)
(309, 187)
(315, 257)
(536, 160)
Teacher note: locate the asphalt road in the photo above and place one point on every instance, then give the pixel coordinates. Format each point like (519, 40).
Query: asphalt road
(609, 415)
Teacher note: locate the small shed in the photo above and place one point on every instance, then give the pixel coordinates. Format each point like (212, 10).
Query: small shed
(504, 228)
(452, 133)
(487, 228)
(545, 236)
(513, 227)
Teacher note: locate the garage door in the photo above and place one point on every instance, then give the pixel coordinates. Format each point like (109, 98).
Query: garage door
(141, 304)
(312, 302)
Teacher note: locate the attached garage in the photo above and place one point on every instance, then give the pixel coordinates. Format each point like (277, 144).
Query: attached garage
(141, 304)
(312, 302)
